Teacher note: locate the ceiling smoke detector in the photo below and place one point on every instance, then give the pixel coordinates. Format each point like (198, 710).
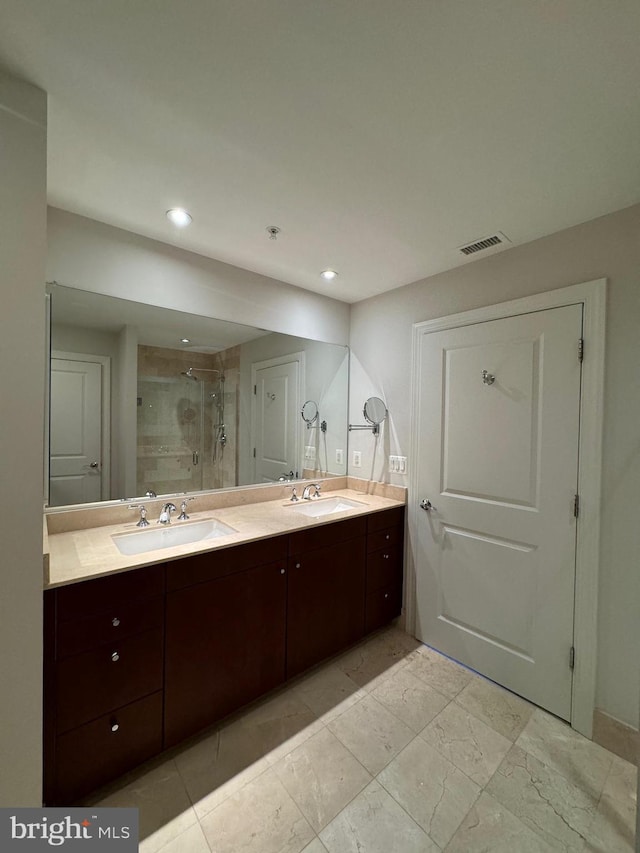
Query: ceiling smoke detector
(491, 242)
(273, 231)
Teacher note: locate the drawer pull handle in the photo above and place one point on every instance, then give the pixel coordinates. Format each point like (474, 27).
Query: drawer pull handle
(281, 571)
(387, 536)
(386, 595)
(115, 726)
(115, 621)
(115, 656)
(298, 565)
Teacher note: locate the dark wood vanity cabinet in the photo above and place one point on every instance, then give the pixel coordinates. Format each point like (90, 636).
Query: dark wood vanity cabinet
(326, 590)
(104, 644)
(135, 662)
(225, 636)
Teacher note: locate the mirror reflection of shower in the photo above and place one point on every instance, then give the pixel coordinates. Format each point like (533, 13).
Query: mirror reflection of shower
(219, 437)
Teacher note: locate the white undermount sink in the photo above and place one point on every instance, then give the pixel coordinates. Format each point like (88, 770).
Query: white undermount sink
(317, 507)
(179, 533)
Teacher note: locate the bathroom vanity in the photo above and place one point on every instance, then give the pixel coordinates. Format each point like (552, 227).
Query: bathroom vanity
(138, 660)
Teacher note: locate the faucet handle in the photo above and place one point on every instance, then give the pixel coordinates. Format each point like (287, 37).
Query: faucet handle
(294, 497)
(317, 487)
(143, 514)
(183, 509)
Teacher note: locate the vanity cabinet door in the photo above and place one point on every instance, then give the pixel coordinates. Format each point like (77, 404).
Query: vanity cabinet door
(225, 645)
(325, 601)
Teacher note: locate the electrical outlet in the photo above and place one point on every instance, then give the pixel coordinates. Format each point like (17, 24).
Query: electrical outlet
(339, 457)
(357, 459)
(309, 452)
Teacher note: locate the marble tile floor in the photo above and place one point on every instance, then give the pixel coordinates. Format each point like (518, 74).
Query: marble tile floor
(388, 748)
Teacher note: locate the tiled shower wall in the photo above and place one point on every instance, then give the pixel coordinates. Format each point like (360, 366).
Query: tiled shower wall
(177, 417)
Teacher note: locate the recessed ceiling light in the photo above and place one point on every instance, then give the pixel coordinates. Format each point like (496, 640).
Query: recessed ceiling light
(179, 217)
(185, 340)
(329, 275)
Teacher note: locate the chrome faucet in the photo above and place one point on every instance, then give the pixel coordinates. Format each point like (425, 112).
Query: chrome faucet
(183, 510)
(165, 515)
(143, 515)
(306, 494)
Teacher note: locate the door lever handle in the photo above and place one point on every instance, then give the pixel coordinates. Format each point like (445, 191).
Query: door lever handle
(426, 505)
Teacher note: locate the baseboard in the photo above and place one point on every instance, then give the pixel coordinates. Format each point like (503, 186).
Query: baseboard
(616, 736)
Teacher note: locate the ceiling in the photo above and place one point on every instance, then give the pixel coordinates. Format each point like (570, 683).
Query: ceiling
(379, 136)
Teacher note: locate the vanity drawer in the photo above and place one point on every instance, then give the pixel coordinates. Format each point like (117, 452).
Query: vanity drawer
(384, 538)
(79, 600)
(96, 681)
(386, 518)
(384, 568)
(327, 534)
(201, 568)
(382, 606)
(94, 753)
(112, 626)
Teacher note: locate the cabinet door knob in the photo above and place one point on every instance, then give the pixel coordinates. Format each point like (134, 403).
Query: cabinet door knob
(281, 571)
(115, 621)
(115, 656)
(387, 536)
(298, 565)
(114, 726)
(386, 595)
(385, 556)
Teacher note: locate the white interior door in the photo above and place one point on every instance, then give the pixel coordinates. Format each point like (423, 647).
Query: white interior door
(276, 420)
(75, 440)
(495, 559)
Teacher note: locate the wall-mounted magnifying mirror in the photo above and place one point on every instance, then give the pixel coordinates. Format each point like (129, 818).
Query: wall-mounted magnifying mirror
(310, 414)
(375, 412)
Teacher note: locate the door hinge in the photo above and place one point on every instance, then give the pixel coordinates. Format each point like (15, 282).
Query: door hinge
(255, 389)
(576, 505)
(581, 349)
(572, 657)
(254, 453)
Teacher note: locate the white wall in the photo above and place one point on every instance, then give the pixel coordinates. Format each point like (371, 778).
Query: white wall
(22, 334)
(608, 247)
(92, 256)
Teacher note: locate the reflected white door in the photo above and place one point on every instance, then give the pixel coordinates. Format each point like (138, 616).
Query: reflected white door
(495, 561)
(75, 432)
(276, 420)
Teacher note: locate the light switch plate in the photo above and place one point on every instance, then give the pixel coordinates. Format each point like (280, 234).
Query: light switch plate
(339, 457)
(357, 459)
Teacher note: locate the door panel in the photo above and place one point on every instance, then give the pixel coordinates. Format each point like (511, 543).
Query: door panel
(496, 556)
(277, 421)
(76, 432)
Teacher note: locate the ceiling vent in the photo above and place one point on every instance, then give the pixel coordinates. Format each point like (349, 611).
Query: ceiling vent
(496, 239)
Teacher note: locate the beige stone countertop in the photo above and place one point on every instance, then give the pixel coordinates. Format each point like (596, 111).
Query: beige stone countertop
(79, 555)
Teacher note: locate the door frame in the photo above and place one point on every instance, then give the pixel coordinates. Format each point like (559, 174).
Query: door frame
(299, 357)
(592, 296)
(105, 440)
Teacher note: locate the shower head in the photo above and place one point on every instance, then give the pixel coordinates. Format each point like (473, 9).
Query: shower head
(189, 372)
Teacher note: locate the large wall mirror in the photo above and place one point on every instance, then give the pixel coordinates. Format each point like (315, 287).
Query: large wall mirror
(146, 399)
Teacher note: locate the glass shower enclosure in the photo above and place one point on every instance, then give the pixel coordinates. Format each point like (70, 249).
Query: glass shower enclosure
(183, 440)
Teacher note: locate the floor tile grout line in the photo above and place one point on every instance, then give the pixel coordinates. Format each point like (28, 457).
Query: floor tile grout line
(390, 793)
